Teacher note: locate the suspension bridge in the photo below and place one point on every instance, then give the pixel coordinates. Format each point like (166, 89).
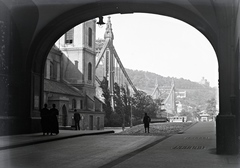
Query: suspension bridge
(108, 63)
(168, 104)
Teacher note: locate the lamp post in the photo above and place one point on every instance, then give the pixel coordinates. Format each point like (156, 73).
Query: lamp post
(131, 124)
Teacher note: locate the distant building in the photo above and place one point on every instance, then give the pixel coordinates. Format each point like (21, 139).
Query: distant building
(70, 78)
(179, 106)
(203, 116)
(181, 94)
(178, 119)
(204, 82)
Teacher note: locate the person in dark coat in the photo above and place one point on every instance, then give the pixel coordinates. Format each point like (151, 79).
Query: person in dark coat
(45, 119)
(146, 121)
(77, 119)
(54, 128)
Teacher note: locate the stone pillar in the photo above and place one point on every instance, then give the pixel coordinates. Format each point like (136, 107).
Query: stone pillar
(13, 119)
(226, 130)
(17, 24)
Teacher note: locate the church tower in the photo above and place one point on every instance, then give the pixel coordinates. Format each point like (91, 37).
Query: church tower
(109, 33)
(78, 44)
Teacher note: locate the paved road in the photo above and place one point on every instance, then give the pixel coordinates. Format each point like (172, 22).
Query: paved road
(192, 148)
(80, 152)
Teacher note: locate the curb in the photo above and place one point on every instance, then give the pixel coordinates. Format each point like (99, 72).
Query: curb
(53, 139)
(185, 129)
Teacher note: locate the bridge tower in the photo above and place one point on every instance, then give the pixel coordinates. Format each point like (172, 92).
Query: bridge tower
(169, 103)
(109, 58)
(109, 63)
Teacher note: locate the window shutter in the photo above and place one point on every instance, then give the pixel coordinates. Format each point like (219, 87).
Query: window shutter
(69, 36)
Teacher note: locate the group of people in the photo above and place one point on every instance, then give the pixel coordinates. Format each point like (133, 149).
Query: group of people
(49, 120)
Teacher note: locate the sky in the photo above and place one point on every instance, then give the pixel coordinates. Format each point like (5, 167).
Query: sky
(162, 45)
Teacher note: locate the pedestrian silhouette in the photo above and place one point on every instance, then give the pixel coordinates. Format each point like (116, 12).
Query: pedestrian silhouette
(45, 119)
(54, 128)
(77, 119)
(146, 121)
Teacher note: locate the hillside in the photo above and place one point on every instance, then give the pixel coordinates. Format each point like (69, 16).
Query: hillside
(147, 81)
(196, 94)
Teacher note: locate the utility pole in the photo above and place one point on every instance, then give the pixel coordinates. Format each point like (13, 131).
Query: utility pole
(131, 124)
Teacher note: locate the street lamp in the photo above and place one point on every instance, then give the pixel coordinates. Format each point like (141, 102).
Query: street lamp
(131, 124)
(100, 21)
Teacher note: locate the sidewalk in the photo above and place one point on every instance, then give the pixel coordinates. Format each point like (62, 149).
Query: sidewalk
(13, 141)
(194, 148)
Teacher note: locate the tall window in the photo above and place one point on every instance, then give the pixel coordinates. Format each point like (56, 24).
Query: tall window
(89, 71)
(74, 104)
(55, 70)
(81, 104)
(69, 36)
(89, 37)
(51, 70)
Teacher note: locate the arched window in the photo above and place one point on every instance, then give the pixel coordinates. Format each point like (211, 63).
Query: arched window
(51, 70)
(89, 37)
(89, 71)
(74, 104)
(81, 104)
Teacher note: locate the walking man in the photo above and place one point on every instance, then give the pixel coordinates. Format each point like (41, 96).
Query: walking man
(146, 121)
(77, 119)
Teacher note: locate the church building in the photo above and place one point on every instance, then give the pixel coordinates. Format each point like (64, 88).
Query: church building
(70, 78)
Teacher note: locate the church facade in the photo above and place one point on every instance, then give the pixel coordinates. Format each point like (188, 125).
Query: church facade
(69, 78)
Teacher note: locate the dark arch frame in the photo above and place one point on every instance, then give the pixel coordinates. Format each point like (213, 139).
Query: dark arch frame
(47, 37)
(217, 21)
(55, 29)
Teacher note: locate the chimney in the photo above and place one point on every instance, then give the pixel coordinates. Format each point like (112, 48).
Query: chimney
(76, 63)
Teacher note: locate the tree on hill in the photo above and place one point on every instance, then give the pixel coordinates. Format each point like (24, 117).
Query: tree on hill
(147, 80)
(211, 107)
(188, 114)
(159, 103)
(122, 103)
(143, 103)
(127, 101)
(197, 94)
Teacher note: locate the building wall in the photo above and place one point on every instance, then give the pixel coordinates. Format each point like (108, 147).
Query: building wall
(90, 121)
(67, 101)
(77, 67)
(54, 61)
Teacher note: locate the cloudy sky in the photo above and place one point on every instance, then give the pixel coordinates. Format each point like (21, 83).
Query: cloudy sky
(162, 45)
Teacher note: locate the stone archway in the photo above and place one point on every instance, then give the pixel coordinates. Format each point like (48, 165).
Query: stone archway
(216, 20)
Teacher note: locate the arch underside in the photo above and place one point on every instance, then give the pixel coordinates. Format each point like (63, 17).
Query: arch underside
(37, 24)
(186, 12)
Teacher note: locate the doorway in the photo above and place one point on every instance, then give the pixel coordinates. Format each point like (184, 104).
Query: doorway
(64, 115)
(90, 122)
